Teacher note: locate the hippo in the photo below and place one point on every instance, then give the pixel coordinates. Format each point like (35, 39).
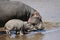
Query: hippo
(22, 27)
(17, 25)
(14, 24)
(14, 10)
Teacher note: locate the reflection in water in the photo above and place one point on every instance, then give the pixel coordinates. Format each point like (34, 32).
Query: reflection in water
(2, 37)
(37, 36)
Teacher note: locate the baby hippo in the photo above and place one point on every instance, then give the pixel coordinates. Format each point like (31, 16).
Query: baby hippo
(16, 25)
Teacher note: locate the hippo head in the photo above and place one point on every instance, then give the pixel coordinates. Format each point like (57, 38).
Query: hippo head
(35, 20)
(35, 15)
(33, 23)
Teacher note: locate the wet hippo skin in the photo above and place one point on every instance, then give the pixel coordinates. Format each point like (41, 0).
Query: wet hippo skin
(14, 10)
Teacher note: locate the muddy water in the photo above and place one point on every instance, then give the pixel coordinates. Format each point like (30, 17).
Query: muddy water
(51, 33)
(37, 36)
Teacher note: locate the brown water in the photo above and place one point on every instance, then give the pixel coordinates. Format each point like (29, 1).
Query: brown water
(52, 33)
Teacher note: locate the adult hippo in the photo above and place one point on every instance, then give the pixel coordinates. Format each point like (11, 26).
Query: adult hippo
(14, 10)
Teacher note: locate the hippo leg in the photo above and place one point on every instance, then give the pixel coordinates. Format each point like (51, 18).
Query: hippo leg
(7, 32)
(21, 33)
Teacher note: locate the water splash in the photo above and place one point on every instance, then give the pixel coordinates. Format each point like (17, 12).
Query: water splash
(45, 31)
(52, 30)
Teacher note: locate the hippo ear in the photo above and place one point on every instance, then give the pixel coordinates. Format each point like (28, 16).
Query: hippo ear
(37, 13)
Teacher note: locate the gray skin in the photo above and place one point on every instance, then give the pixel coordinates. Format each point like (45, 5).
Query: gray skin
(13, 25)
(16, 25)
(14, 10)
(21, 27)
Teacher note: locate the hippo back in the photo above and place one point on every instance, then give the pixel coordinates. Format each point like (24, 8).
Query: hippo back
(14, 10)
(14, 23)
